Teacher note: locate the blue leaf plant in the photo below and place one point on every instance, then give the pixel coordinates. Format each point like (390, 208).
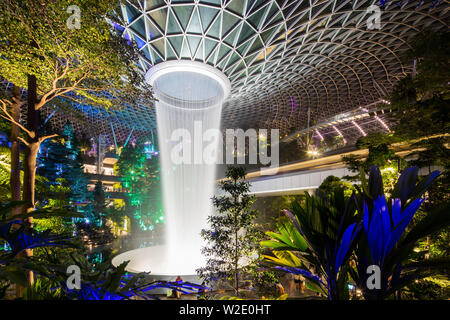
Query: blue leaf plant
(316, 242)
(383, 228)
(384, 244)
(102, 283)
(137, 286)
(329, 237)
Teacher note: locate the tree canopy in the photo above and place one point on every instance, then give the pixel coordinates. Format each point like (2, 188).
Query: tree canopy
(91, 64)
(422, 99)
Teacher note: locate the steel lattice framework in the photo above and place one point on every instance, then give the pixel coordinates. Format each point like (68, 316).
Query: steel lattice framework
(282, 57)
(285, 56)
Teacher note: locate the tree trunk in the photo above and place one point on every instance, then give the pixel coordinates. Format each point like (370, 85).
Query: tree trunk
(428, 254)
(30, 158)
(236, 260)
(31, 153)
(236, 246)
(14, 178)
(15, 150)
(30, 175)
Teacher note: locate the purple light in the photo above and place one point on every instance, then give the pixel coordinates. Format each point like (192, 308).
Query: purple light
(318, 133)
(339, 133)
(292, 104)
(359, 128)
(383, 123)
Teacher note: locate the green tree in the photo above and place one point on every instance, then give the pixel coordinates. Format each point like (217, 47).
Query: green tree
(332, 184)
(91, 64)
(73, 172)
(422, 105)
(61, 167)
(141, 177)
(422, 100)
(233, 238)
(380, 153)
(270, 209)
(53, 160)
(5, 169)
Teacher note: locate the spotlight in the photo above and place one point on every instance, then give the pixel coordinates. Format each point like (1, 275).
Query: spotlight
(313, 153)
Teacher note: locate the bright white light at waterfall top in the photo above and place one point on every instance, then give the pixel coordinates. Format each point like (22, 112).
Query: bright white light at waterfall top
(188, 84)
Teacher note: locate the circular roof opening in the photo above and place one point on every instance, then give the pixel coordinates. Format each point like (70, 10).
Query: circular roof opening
(188, 85)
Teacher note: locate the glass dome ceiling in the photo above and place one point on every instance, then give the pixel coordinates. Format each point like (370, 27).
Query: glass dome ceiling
(229, 35)
(282, 57)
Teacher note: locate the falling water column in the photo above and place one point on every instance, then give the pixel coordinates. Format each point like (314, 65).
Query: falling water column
(190, 97)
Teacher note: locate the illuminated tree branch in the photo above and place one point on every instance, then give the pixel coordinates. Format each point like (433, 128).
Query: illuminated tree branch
(8, 117)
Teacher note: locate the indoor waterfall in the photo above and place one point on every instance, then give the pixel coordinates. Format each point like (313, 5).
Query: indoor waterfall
(189, 103)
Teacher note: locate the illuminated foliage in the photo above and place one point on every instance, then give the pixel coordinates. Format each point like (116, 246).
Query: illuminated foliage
(78, 64)
(141, 178)
(332, 184)
(316, 242)
(422, 120)
(60, 164)
(324, 234)
(381, 155)
(5, 169)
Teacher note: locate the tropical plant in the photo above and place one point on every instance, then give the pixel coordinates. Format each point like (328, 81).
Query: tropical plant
(5, 169)
(308, 243)
(422, 119)
(332, 183)
(282, 297)
(106, 282)
(385, 243)
(97, 282)
(380, 153)
(422, 99)
(20, 236)
(44, 289)
(316, 242)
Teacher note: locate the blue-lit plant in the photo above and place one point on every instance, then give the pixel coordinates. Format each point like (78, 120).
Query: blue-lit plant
(110, 283)
(316, 242)
(384, 242)
(98, 282)
(19, 236)
(320, 236)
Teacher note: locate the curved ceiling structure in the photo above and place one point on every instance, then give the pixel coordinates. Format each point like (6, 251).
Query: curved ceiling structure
(283, 57)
